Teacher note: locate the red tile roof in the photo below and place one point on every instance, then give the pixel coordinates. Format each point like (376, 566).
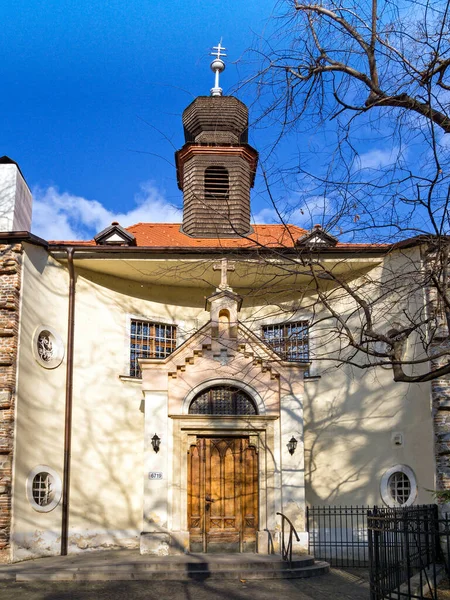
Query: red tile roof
(168, 235)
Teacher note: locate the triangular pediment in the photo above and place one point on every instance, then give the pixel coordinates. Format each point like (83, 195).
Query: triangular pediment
(115, 235)
(317, 238)
(223, 352)
(222, 348)
(212, 357)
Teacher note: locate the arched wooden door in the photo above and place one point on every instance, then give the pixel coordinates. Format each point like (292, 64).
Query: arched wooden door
(223, 495)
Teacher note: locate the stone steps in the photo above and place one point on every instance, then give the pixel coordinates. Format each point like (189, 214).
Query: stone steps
(189, 568)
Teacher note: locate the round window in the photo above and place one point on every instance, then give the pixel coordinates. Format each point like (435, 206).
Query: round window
(398, 486)
(43, 488)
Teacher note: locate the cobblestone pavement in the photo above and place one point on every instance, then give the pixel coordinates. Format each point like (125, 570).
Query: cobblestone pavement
(348, 585)
(443, 590)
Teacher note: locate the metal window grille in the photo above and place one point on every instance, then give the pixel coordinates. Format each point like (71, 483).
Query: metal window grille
(289, 340)
(222, 400)
(217, 182)
(42, 489)
(150, 340)
(399, 488)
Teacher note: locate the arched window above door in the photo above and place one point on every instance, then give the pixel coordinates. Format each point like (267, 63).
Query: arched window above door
(222, 400)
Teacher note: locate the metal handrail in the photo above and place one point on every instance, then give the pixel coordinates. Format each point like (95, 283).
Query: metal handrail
(286, 549)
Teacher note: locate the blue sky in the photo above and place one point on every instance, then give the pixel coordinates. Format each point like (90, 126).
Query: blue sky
(92, 96)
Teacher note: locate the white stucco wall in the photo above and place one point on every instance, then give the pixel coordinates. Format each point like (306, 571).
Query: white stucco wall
(349, 415)
(106, 493)
(40, 402)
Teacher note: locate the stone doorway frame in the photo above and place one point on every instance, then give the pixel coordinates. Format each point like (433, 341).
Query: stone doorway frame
(263, 435)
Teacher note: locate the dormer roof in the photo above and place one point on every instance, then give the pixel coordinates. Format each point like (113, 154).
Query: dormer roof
(115, 235)
(317, 238)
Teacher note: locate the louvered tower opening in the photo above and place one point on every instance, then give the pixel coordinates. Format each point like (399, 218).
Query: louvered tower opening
(217, 183)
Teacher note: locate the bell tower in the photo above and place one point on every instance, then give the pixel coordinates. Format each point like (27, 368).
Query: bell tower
(216, 166)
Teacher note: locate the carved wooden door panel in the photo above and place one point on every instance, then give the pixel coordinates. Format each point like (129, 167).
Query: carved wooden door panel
(223, 495)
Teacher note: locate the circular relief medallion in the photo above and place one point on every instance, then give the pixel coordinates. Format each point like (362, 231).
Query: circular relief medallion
(48, 347)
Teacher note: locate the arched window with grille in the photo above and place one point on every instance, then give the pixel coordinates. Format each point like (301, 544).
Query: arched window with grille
(217, 183)
(222, 400)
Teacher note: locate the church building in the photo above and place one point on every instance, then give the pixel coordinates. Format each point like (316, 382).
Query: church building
(158, 383)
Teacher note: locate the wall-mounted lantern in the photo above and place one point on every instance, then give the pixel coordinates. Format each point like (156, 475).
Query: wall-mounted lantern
(156, 442)
(292, 445)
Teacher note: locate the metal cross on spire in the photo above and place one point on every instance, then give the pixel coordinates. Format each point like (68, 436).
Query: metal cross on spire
(219, 49)
(217, 66)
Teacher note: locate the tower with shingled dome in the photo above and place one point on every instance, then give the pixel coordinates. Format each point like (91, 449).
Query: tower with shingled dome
(216, 166)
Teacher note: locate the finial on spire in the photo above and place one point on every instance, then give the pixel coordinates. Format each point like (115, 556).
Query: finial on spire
(217, 66)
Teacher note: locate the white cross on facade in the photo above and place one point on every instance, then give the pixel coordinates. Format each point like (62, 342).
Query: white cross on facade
(224, 267)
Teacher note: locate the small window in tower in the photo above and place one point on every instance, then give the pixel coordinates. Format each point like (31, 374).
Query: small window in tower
(217, 182)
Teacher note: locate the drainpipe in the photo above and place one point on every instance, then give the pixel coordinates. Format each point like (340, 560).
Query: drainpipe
(68, 408)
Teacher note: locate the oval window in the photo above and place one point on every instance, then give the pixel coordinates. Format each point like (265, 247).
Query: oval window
(44, 488)
(398, 486)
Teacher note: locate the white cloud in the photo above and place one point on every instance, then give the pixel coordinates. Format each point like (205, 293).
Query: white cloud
(266, 216)
(376, 159)
(63, 216)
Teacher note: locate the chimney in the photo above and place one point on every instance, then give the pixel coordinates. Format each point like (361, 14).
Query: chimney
(15, 198)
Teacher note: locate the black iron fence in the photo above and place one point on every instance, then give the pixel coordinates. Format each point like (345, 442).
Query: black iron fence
(406, 549)
(338, 534)
(409, 548)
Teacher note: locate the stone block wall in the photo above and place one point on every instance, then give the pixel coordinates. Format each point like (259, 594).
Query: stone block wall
(10, 282)
(440, 394)
(440, 388)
